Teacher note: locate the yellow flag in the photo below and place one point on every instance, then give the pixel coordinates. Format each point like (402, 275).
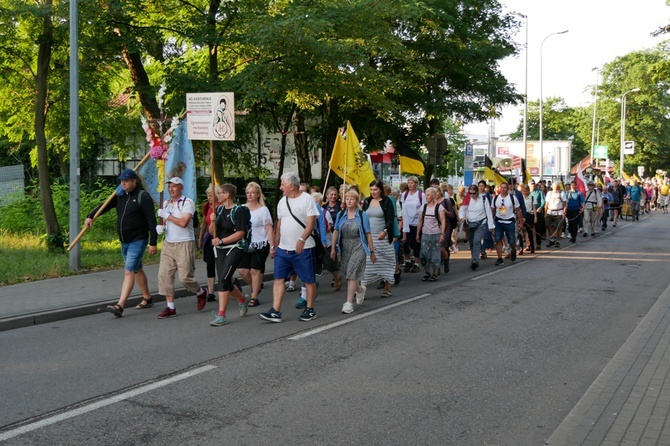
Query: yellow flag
(350, 163)
(635, 177)
(625, 176)
(494, 176)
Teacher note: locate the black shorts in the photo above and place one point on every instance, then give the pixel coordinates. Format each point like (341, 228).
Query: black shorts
(255, 260)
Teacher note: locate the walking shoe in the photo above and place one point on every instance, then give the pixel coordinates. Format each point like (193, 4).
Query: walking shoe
(243, 307)
(445, 263)
(202, 299)
(360, 295)
(301, 303)
(271, 316)
(397, 277)
(168, 312)
(557, 244)
(512, 255)
(586, 234)
(211, 298)
(551, 243)
(116, 310)
(308, 315)
(573, 240)
(219, 321)
(415, 268)
(499, 261)
(455, 251)
(408, 267)
(483, 255)
(290, 288)
(604, 227)
(348, 308)
(474, 266)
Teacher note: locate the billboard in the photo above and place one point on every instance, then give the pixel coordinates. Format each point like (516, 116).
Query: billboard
(555, 155)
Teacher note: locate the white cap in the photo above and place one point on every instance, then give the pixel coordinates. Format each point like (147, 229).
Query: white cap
(175, 180)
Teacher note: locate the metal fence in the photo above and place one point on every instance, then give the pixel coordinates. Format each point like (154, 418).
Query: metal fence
(12, 184)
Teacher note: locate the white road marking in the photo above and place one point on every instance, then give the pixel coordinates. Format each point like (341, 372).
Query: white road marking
(99, 404)
(355, 318)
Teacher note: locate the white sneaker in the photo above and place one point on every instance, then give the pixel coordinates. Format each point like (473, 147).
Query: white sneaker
(360, 295)
(455, 251)
(348, 308)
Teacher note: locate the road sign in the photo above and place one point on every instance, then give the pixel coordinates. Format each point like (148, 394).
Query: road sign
(210, 116)
(640, 171)
(600, 151)
(437, 147)
(629, 147)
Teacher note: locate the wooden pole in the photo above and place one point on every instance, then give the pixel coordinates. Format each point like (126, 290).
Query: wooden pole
(211, 166)
(109, 199)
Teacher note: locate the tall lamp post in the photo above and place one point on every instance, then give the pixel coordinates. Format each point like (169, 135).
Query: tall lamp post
(623, 128)
(525, 97)
(542, 105)
(595, 110)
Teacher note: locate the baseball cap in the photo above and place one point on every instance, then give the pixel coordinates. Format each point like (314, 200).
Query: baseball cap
(128, 174)
(175, 180)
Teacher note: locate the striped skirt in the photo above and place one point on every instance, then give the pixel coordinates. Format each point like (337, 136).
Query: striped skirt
(384, 267)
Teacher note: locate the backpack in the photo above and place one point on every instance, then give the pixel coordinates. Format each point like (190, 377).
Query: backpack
(404, 197)
(437, 214)
(245, 242)
(512, 198)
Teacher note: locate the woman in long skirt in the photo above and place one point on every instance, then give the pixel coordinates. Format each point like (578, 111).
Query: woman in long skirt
(381, 213)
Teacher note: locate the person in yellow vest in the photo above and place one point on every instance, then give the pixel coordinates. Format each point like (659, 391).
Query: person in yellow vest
(664, 191)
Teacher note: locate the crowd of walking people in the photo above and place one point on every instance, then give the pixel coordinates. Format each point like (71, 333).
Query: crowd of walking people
(361, 241)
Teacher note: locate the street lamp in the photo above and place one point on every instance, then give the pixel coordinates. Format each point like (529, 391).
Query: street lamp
(595, 109)
(623, 128)
(542, 105)
(525, 97)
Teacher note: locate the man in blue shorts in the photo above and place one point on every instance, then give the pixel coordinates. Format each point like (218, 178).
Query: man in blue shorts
(506, 208)
(136, 226)
(293, 246)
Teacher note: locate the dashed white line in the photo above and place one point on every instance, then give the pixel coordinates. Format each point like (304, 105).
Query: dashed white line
(355, 318)
(101, 403)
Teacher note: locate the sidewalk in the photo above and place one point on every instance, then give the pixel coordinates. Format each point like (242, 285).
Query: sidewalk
(51, 300)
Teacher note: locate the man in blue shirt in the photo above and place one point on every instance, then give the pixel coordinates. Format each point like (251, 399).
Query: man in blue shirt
(635, 194)
(575, 207)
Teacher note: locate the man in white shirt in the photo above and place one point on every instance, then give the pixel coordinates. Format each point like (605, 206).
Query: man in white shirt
(475, 213)
(505, 206)
(178, 251)
(593, 204)
(293, 246)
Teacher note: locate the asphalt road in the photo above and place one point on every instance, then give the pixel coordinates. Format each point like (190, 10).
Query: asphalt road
(494, 357)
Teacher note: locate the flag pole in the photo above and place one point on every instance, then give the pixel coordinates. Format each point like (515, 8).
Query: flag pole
(109, 199)
(211, 166)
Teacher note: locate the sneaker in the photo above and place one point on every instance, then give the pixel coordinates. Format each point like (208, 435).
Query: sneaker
(415, 268)
(168, 312)
(271, 316)
(455, 251)
(499, 261)
(219, 321)
(474, 266)
(408, 267)
(397, 277)
(551, 243)
(586, 234)
(202, 299)
(308, 314)
(290, 288)
(573, 240)
(347, 308)
(211, 298)
(243, 306)
(557, 244)
(512, 255)
(483, 255)
(360, 296)
(301, 303)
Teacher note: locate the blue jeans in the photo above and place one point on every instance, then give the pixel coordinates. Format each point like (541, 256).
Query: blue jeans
(475, 238)
(132, 254)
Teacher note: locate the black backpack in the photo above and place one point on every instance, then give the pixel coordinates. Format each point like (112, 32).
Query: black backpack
(245, 242)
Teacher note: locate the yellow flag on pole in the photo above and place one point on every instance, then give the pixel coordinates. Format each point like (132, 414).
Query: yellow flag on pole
(494, 176)
(350, 163)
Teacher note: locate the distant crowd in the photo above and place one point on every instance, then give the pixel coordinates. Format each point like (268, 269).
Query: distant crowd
(361, 241)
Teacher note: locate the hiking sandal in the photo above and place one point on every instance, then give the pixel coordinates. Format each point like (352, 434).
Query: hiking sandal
(253, 302)
(386, 293)
(146, 303)
(116, 310)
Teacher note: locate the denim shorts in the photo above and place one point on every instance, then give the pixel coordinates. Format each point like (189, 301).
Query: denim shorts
(288, 261)
(132, 254)
(506, 229)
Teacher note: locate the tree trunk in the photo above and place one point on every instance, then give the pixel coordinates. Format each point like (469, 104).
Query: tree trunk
(284, 132)
(142, 85)
(330, 119)
(55, 238)
(302, 149)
